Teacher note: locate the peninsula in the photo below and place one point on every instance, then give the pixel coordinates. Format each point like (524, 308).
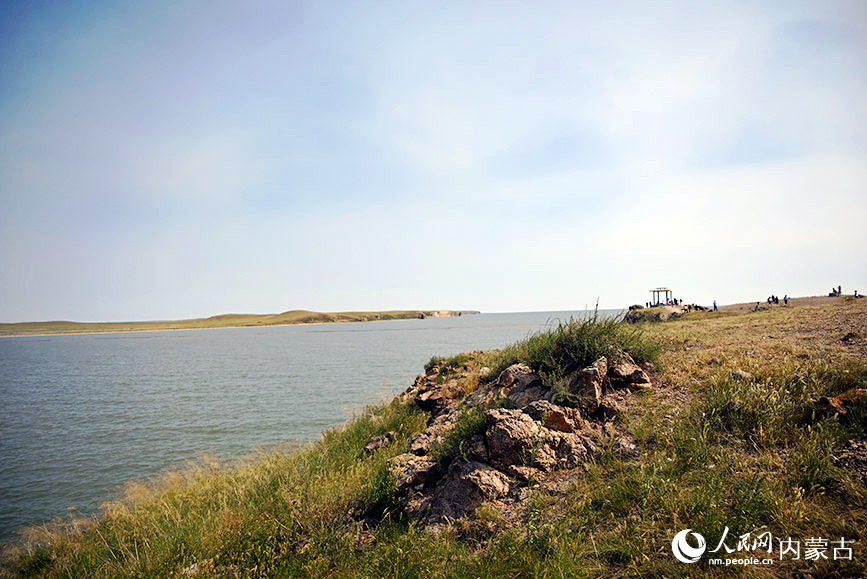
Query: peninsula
(223, 321)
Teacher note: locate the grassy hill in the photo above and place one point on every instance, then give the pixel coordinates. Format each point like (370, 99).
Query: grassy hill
(753, 423)
(219, 321)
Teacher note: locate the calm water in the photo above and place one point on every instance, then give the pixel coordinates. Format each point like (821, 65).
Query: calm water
(81, 414)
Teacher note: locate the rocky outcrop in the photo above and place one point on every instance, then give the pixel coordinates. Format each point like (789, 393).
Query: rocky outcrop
(655, 314)
(411, 470)
(510, 436)
(531, 432)
(625, 373)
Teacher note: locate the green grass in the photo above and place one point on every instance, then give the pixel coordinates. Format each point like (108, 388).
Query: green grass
(574, 344)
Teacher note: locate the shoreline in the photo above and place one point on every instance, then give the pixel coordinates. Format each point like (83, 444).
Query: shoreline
(393, 315)
(740, 307)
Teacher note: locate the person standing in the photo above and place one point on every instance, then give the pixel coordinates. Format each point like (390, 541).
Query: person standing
(786, 300)
(714, 306)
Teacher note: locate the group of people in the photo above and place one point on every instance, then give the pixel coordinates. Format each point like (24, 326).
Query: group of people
(838, 291)
(776, 300)
(671, 302)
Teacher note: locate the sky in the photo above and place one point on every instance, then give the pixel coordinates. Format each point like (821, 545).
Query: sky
(167, 160)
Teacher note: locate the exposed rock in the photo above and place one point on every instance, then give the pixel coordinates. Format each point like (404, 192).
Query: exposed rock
(829, 406)
(379, 441)
(411, 470)
(534, 441)
(509, 434)
(432, 399)
(625, 446)
(523, 395)
(525, 473)
(586, 383)
(420, 444)
(489, 482)
(438, 428)
(572, 450)
(635, 307)
(626, 373)
(478, 450)
(464, 487)
(517, 375)
(554, 417)
(654, 314)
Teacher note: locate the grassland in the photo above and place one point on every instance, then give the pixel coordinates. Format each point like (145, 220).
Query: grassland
(731, 435)
(220, 321)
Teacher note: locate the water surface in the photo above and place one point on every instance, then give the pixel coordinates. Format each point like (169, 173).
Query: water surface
(81, 414)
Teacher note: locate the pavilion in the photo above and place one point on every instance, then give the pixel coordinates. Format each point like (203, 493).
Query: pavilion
(658, 292)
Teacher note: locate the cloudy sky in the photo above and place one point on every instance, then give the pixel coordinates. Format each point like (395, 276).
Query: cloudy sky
(180, 159)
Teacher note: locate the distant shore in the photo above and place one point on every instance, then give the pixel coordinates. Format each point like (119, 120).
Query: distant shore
(292, 317)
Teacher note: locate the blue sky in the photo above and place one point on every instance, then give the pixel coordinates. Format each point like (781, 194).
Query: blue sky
(169, 160)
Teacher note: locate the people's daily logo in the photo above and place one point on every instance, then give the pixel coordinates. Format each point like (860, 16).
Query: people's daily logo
(683, 551)
(747, 548)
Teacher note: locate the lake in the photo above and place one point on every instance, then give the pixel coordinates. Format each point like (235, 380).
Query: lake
(80, 414)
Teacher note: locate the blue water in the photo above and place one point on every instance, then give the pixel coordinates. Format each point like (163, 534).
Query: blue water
(81, 414)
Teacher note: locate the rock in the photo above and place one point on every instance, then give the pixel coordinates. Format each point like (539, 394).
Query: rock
(627, 374)
(420, 444)
(625, 446)
(379, 441)
(572, 450)
(431, 399)
(517, 375)
(829, 406)
(587, 383)
(477, 450)
(438, 428)
(525, 473)
(488, 482)
(509, 435)
(608, 407)
(554, 417)
(464, 487)
(411, 470)
(634, 307)
(521, 396)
